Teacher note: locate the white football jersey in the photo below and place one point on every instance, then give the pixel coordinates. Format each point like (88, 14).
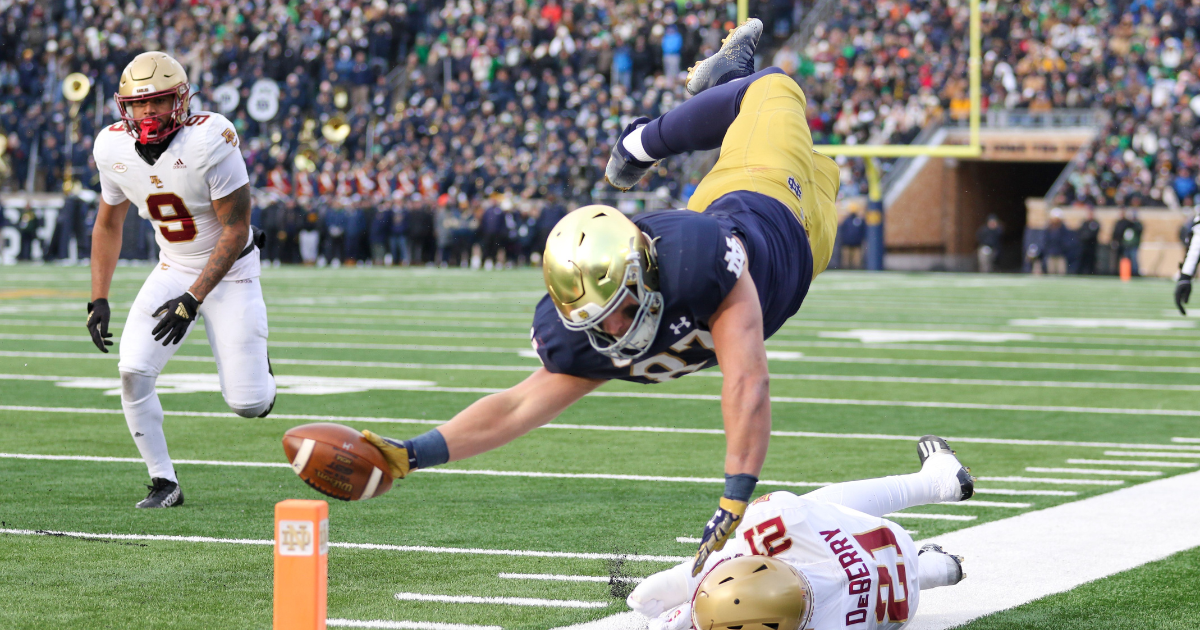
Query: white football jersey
(862, 569)
(203, 162)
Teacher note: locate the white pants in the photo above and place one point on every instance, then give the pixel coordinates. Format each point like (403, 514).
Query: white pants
(235, 319)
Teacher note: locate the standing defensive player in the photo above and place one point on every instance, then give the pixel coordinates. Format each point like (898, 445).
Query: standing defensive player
(1187, 271)
(673, 292)
(185, 174)
(823, 561)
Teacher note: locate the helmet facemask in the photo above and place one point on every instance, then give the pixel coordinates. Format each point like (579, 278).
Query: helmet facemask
(151, 129)
(640, 336)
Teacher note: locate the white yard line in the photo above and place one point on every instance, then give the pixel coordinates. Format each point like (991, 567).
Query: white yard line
(404, 625)
(549, 577)
(1017, 560)
(1122, 462)
(931, 517)
(910, 380)
(507, 601)
(997, 504)
(444, 471)
(344, 545)
(1195, 449)
(806, 358)
(685, 539)
(1061, 482)
(1186, 440)
(1149, 454)
(1027, 493)
(1095, 471)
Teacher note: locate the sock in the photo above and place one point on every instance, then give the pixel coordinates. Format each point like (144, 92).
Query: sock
(740, 487)
(428, 449)
(633, 144)
(880, 496)
(144, 415)
(700, 123)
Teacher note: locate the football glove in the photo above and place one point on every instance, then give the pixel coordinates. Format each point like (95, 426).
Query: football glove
(1183, 291)
(97, 323)
(177, 315)
(394, 452)
(718, 530)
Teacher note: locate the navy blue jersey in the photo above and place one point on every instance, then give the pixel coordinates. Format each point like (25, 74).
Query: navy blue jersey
(698, 263)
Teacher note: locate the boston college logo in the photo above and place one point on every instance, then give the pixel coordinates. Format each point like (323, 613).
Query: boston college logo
(156, 181)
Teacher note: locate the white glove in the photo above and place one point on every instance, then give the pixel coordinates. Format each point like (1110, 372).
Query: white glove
(661, 592)
(678, 618)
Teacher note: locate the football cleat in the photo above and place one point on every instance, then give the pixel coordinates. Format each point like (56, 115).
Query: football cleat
(956, 575)
(400, 460)
(270, 371)
(164, 493)
(624, 171)
(734, 61)
(933, 449)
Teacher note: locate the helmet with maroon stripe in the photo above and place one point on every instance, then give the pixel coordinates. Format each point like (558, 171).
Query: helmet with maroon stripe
(149, 76)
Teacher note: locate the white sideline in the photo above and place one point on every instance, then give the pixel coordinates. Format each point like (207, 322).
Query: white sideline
(510, 601)
(1194, 448)
(1145, 454)
(1019, 559)
(345, 545)
(404, 625)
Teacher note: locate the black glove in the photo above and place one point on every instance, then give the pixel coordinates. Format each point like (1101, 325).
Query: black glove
(97, 323)
(1183, 291)
(177, 314)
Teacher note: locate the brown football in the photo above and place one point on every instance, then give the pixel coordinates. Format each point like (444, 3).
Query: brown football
(337, 461)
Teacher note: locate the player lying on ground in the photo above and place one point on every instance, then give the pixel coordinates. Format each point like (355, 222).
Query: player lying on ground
(1187, 270)
(673, 292)
(185, 173)
(820, 561)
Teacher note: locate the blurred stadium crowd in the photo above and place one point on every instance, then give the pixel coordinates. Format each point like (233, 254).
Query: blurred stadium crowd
(480, 114)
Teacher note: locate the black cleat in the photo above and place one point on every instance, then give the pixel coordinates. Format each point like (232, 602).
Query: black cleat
(164, 493)
(930, 445)
(958, 560)
(624, 171)
(734, 61)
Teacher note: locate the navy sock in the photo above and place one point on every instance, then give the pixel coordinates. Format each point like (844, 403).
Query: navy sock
(700, 123)
(428, 449)
(740, 487)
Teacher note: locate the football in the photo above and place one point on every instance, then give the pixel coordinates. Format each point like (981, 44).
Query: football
(337, 461)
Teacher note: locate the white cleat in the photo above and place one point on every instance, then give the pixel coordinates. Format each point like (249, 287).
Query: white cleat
(952, 480)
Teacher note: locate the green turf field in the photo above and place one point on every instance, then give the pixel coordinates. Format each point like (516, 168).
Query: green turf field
(869, 362)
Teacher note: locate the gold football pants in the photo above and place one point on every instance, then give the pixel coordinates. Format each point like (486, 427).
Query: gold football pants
(769, 150)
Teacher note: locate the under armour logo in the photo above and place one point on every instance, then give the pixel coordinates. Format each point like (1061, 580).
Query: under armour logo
(182, 311)
(736, 256)
(682, 325)
(348, 446)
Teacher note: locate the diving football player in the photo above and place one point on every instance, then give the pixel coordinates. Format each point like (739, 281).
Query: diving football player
(673, 292)
(185, 173)
(827, 560)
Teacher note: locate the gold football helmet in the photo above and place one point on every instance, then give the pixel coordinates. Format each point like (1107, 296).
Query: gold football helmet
(596, 258)
(151, 75)
(752, 593)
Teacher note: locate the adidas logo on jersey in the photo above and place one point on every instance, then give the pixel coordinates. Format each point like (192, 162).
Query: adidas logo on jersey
(179, 164)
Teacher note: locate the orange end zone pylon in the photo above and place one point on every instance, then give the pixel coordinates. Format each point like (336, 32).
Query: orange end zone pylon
(301, 564)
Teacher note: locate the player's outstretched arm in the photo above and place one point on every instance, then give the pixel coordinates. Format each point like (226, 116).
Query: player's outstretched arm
(500, 418)
(106, 249)
(737, 331)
